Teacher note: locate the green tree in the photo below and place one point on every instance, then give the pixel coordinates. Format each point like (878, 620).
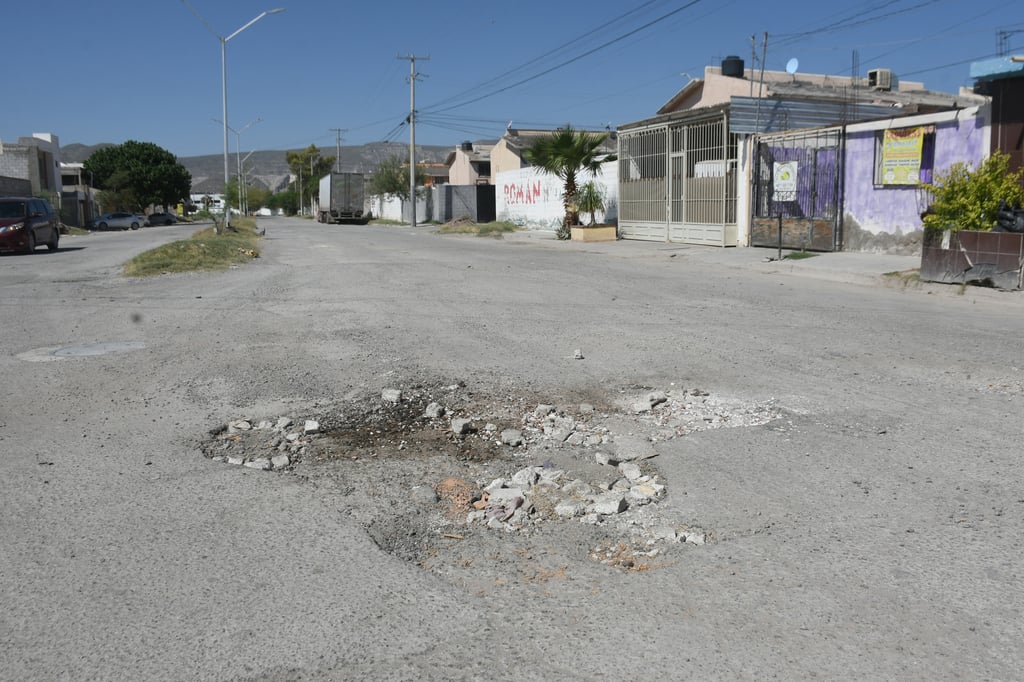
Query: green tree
(287, 200)
(309, 165)
(391, 178)
(967, 199)
(565, 153)
(135, 175)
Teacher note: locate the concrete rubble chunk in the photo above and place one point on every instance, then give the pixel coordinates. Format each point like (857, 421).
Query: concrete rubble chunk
(264, 425)
(512, 437)
(694, 538)
(630, 470)
(292, 437)
(586, 408)
(391, 395)
(239, 425)
(476, 516)
(549, 476)
(577, 354)
(261, 464)
(496, 484)
(236, 460)
(543, 410)
(282, 424)
(434, 411)
(578, 487)
(609, 503)
(664, 533)
(280, 461)
(656, 398)
(605, 459)
(524, 478)
(569, 509)
(503, 495)
(311, 426)
(461, 427)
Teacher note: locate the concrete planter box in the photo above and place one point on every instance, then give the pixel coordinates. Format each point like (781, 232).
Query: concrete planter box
(992, 258)
(595, 233)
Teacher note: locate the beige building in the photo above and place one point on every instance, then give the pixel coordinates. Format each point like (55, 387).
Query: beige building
(507, 154)
(470, 164)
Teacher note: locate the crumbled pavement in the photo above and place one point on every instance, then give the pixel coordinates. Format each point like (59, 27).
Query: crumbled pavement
(511, 470)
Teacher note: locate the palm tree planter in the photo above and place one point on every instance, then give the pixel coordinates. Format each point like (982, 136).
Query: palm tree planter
(564, 153)
(593, 233)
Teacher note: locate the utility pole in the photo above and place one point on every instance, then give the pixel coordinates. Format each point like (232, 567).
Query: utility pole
(337, 159)
(412, 132)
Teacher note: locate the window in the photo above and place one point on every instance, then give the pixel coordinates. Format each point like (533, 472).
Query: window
(904, 157)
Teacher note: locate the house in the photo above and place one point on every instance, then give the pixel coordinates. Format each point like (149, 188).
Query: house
(705, 169)
(508, 153)
(31, 167)
(470, 164)
(77, 196)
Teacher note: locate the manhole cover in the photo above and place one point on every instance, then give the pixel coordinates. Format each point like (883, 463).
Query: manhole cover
(102, 348)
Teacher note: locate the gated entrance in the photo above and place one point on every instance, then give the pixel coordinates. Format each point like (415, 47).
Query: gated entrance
(797, 184)
(677, 180)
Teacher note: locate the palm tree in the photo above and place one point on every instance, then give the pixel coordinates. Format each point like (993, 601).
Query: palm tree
(564, 153)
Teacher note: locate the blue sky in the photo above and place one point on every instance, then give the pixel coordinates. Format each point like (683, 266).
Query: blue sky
(149, 70)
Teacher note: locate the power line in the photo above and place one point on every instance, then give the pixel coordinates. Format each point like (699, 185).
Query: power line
(573, 59)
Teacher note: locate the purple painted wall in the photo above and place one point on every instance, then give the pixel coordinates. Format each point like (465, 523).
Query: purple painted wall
(896, 210)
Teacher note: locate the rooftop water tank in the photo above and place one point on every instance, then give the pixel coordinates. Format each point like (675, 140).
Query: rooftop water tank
(732, 66)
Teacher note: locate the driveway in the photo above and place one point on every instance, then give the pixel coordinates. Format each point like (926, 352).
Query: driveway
(839, 462)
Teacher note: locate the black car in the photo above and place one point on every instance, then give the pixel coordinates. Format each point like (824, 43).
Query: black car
(25, 223)
(161, 219)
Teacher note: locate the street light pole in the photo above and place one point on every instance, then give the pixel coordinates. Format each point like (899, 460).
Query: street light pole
(224, 84)
(238, 154)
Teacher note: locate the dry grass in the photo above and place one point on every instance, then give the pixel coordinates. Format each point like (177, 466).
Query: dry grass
(203, 251)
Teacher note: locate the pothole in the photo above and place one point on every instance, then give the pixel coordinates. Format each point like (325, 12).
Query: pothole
(458, 484)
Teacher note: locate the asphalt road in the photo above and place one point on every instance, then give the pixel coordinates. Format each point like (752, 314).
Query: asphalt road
(873, 533)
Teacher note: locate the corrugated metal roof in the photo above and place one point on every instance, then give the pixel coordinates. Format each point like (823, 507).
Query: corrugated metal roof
(779, 115)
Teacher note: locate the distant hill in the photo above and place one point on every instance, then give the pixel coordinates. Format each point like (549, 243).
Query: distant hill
(269, 168)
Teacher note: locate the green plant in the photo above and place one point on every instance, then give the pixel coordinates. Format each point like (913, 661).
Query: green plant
(590, 200)
(564, 153)
(967, 198)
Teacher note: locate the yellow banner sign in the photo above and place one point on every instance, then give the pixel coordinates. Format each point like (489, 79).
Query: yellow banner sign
(901, 156)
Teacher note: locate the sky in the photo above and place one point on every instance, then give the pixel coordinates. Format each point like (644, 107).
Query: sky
(150, 70)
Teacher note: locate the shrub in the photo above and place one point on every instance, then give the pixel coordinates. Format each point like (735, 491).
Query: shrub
(967, 199)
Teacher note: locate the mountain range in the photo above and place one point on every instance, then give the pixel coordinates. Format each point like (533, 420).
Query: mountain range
(270, 168)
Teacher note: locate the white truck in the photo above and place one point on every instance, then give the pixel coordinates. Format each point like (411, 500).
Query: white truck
(342, 199)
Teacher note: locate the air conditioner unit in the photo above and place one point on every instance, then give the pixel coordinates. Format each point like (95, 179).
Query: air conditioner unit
(880, 79)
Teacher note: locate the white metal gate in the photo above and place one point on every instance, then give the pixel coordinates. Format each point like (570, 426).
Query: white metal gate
(677, 182)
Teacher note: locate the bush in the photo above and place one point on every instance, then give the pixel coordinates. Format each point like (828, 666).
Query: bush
(967, 199)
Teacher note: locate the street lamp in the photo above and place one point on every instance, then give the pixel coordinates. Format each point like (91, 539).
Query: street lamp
(224, 82)
(238, 154)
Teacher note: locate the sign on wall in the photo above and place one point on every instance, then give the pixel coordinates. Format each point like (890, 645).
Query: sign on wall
(784, 187)
(901, 156)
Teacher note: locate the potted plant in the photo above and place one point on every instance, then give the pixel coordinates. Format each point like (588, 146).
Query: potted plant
(959, 244)
(590, 199)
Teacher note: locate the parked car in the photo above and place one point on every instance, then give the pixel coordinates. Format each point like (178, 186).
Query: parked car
(161, 219)
(25, 223)
(120, 220)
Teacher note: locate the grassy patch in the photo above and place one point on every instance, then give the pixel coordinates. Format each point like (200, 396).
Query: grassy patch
(385, 221)
(799, 255)
(904, 277)
(203, 251)
(492, 229)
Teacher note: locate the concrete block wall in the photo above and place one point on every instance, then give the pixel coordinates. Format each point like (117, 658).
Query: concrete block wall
(14, 187)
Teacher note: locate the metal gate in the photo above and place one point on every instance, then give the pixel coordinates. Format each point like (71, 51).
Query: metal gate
(797, 190)
(678, 181)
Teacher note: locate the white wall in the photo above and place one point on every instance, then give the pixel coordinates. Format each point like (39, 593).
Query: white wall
(390, 208)
(533, 199)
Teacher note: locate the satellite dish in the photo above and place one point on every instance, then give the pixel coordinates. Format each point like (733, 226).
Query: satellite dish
(792, 65)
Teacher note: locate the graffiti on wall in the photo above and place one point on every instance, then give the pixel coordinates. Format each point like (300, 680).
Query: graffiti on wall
(522, 193)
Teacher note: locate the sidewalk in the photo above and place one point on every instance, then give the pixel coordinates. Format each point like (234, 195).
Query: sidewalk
(852, 267)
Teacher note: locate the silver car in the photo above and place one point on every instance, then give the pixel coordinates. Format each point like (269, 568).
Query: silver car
(119, 220)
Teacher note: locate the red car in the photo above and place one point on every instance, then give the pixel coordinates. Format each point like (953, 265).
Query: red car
(25, 223)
